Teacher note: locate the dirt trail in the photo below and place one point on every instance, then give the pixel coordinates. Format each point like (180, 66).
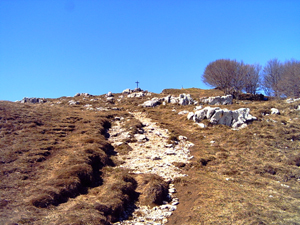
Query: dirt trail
(152, 154)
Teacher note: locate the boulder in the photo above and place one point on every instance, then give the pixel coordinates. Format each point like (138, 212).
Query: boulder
(151, 103)
(109, 94)
(110, 99)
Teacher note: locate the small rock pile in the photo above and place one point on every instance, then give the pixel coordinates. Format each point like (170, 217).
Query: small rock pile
(234, 118)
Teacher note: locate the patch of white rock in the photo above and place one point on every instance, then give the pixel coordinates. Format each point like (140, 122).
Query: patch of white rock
(186, 99)
(152, 154)
(237, 119)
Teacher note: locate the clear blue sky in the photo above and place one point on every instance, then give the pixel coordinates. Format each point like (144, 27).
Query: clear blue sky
(54, 48)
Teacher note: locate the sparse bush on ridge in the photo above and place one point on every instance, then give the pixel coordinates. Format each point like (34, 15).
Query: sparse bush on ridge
(275, 78)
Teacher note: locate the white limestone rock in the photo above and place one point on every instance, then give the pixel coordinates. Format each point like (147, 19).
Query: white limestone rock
(218, 100)
(126, 91)
(183, 112)
(140, 137)
(73, 102)
(275, 111)
(151, 103)
(190, 116)
(33, 100)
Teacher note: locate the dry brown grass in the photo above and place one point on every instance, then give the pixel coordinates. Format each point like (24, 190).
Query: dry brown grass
(57, 167)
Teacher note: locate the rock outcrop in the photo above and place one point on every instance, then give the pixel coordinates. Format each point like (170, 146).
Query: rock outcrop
(109, 94)
(182, 99)
(218, 100)
(33, 100)
(234, 118)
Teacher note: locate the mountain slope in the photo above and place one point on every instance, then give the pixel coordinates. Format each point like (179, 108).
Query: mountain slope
(57, 165)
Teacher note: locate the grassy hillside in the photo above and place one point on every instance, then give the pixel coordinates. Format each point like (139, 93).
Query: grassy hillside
(57, 166)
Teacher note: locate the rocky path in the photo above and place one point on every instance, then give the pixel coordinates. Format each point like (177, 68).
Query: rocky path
(152, 154)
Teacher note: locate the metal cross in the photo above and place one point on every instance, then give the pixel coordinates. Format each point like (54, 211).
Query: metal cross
(137, 84)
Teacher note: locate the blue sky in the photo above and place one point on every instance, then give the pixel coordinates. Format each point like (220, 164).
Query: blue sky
(54, 48)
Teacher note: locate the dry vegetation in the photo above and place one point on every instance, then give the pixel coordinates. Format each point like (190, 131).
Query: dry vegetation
(58, 168)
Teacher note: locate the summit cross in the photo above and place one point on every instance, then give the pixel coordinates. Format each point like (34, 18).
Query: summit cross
(137, 84)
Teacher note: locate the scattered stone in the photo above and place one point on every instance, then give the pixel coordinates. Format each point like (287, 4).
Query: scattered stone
(275, 111)
(170, 152)
(183, 112)
(109, 94)
(102, 109)
(73, 102)
(201, 125)
(180, 137)
(141, 137)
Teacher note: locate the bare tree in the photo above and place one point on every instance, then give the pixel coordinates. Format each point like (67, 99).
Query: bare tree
(225, 74)
(218, 74)
(228, 75)
(272, 77)
(252, 78)
(290, 85)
